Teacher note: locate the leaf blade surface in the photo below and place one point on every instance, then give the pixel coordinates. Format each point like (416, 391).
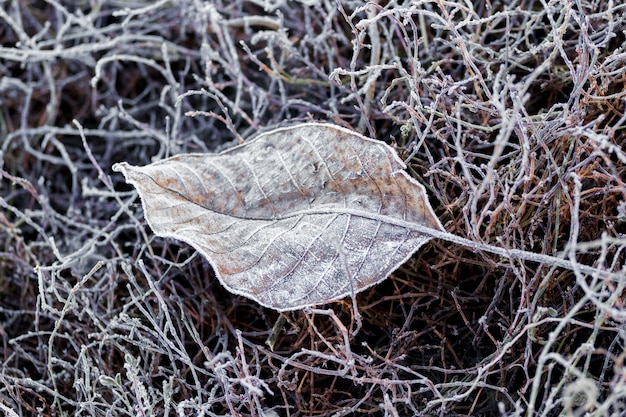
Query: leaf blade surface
(296, 217)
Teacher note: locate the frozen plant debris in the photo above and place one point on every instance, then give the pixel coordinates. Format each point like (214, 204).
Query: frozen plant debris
(296, 217)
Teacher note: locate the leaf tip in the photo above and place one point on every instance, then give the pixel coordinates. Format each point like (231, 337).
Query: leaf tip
(125, 169)
(120, 167)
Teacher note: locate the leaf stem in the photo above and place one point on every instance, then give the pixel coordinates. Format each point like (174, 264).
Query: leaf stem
(551, 260)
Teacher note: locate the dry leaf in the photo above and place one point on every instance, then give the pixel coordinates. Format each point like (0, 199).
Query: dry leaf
(295, 217)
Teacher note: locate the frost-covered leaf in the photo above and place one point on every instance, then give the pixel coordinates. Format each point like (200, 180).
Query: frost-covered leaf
(295, 217)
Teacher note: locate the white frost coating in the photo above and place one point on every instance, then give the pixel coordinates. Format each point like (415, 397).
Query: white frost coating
(272, 214)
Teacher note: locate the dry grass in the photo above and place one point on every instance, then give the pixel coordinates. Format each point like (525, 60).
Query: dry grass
(511, 113)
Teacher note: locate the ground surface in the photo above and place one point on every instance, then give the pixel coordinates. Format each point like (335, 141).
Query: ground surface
(510, 113)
